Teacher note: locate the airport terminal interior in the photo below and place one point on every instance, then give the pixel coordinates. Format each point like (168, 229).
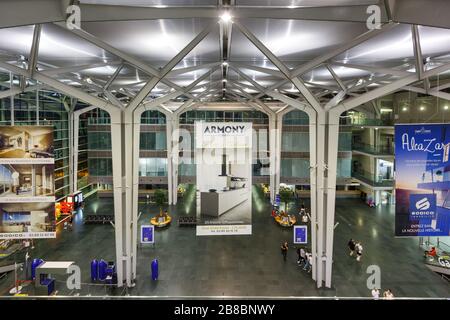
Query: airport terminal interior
(309, 110)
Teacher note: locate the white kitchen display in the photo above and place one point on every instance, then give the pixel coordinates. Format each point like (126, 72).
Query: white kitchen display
(224, 166)
(27, 184)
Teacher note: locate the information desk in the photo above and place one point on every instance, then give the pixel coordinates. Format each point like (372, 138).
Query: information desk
(286, 223)
(44, 284)
(217, 203)
(159, 224)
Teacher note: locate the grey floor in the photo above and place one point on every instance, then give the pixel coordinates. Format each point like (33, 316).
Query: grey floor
(246, 265)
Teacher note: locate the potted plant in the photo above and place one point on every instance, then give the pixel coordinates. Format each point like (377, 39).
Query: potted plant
(286, 196)
(160, 198)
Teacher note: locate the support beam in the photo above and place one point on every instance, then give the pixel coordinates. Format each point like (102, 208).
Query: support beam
(179, 71)
(168, 67)
(417, 52)
(336, 78)
(256, 85)
(272, 72)
(113, 77)
(62, 70)
(34, 52)
(372, 69)
(356, 13)
(61, 87)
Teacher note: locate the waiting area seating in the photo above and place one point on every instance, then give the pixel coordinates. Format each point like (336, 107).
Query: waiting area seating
(99, 218)
(187, 221)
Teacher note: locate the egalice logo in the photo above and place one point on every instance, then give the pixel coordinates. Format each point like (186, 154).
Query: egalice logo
(423, 204)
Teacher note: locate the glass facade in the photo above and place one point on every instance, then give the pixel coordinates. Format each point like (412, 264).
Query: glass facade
(295, 141)
(41, 107)
(298, 141)
(153, 140)
(296, 117)
(152, 167)
(100, 166)
(298, 168)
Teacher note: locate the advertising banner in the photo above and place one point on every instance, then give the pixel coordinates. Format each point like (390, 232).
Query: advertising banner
(147, 234)
(223, 158)
(27, 191)
(300, 234)
(422, 180)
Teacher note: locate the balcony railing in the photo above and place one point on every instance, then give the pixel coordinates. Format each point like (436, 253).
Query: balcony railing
(376, 150)
(371, 179)
(349, 121)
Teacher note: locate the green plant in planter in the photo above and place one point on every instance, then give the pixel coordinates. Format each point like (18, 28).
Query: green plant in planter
(286, 197)
(160, 198)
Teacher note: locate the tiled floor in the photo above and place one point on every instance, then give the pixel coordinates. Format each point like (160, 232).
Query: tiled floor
(248, 265)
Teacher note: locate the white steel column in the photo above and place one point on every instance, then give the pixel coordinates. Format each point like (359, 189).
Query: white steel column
(117, 149)
(134, 145)
(72, 171)
(175, 156)
(127, 206)
(332, 156)
(313, 151)
(277, 152)
(273, 151)
(169, 157)
(135, 186)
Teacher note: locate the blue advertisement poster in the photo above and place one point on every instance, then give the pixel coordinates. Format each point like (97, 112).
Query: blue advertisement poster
(422, 180)
(300, 234)
(147, 234)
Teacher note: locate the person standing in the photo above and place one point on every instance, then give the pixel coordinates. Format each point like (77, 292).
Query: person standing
(351, 245)
(308, 262)
(284, 250)
(302, 256)
(388, 295)
(302, 209)
(376, 293)
(359, 249)
(298, 255)
(70, 222)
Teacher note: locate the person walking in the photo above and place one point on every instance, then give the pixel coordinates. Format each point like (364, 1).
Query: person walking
(351, 245)
(359, 249)
(284, 250)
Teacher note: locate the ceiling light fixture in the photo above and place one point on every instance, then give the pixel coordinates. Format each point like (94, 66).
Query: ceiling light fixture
(404, 109)
(225, 17)
(224, 63)
(422, 108)
(224, 80)
(445, 107)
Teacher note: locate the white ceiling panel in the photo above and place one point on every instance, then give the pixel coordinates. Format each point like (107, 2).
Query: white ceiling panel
(153, 41)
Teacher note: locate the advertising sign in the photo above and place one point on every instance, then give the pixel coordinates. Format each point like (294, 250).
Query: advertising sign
(147, 234)
(300, 234)
(223, 158)
(422, 180)
(27, 191)
(277, 200)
